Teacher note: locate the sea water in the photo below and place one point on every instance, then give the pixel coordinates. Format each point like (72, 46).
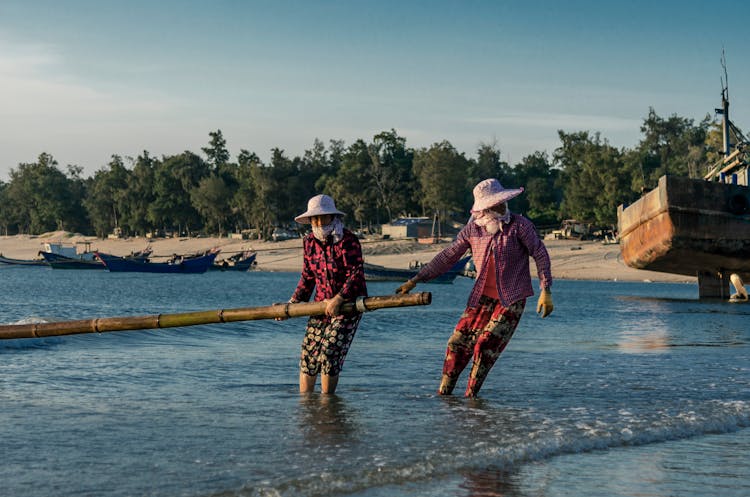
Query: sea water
(632, 389)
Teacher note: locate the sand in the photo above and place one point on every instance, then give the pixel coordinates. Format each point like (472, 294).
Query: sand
(571, 259)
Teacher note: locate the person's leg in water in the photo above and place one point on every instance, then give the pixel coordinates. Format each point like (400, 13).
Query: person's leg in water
(461, 343)
(326, 343)
(492, 342)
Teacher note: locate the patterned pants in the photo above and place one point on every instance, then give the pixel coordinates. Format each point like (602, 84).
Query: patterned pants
(326, 343)
(482, 333)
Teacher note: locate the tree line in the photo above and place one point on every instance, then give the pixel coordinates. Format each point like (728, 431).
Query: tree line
(373, 181)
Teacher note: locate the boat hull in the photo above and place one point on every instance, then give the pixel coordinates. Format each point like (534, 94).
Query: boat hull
(689, 227)
(57, 261)
(380, 273)
(193, 265)
(22, 262)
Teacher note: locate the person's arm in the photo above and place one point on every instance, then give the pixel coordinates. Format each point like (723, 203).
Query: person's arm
(539, 253)
(441, 263)
(354, 263)
(307, 279)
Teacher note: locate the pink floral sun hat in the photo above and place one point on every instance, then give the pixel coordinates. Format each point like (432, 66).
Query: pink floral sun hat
(319, 205)
(490, 192)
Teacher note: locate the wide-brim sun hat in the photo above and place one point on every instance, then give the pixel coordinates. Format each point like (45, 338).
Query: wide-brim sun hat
(319, 205)
(490, 192)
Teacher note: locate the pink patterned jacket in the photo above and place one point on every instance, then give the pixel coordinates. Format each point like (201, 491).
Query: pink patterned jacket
(511, 249)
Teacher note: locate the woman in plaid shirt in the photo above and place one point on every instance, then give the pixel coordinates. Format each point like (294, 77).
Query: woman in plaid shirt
(333, 266)
(501, 243)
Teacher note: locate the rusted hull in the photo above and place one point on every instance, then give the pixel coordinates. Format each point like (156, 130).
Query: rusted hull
(688, 226)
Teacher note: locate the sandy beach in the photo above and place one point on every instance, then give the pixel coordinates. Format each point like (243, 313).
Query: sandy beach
(571, 259)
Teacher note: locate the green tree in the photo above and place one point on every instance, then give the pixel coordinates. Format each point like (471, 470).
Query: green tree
(542, 194)
(216, 151)
(351, 188)
(105, 199)
(441, 172)
(211, 198)
(593, 177)
(43, 197)
(391, 173)
(174, 178)
(138, 196)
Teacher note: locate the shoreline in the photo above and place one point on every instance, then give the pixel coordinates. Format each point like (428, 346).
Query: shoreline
(571, 259)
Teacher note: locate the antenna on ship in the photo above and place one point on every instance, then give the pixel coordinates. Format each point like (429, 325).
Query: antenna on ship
(724, 111)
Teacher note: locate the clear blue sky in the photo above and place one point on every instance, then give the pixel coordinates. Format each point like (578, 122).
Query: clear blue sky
(83, 80)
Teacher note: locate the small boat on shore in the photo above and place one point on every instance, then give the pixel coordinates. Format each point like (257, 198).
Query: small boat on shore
(241, 261)
(373, 272)
(22, 262)
(180, 265)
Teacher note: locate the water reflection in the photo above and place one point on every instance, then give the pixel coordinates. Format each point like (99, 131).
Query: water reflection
(491, 482)
(326, 420)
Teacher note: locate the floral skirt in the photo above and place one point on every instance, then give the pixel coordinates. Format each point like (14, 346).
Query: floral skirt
(326, 343)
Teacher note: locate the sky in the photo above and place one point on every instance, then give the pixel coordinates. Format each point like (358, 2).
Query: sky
(85, 80)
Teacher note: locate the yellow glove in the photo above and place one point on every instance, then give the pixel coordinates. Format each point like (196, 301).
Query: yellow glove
(407, 287)
(545, 303)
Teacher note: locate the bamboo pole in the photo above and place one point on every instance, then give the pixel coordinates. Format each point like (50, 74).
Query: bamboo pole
(125, 323)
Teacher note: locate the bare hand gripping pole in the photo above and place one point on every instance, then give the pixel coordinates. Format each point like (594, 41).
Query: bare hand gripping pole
(100, 325)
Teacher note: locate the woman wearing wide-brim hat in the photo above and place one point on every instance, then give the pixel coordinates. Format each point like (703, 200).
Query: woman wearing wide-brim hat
(501, 243)
(334, 268)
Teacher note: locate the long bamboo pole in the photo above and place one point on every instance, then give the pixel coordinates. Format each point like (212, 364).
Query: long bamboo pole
(125, 323)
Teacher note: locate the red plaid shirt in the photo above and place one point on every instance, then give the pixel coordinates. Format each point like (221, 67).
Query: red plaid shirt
(331, 268)
(511, 249)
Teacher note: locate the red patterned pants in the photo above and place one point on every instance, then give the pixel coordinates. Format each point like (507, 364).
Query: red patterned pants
(482, 333)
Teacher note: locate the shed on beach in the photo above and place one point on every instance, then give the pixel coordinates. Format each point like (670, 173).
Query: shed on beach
(408, 227)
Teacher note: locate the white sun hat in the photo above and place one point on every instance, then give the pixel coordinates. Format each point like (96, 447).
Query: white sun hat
(490, 192)
(319, 205)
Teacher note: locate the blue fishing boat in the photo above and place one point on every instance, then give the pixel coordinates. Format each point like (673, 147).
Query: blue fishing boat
(373, 272)
(241, 261)
(184, 265)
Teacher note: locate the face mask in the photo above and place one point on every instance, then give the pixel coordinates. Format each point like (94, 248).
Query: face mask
(490, 220)
(322, 232)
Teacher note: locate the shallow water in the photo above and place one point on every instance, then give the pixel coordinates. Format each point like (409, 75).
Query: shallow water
(627, 389)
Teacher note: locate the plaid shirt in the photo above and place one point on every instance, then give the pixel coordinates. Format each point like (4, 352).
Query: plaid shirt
(511, 249)
(331, 268)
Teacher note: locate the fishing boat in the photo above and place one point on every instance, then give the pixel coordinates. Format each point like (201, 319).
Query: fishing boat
(178, 265)
(373, 272)
(695, 227)
(57, 261)
(241, 261)
(22, 262)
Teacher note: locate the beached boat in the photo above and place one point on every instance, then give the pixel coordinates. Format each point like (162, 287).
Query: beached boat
(241, 261)
(373, 272)
(180, 265)
(695, 227)
(22, 262)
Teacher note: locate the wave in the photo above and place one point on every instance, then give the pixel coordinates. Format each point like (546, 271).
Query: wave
(576, 433)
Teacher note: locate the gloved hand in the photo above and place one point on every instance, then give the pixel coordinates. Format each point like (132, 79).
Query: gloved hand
(545, 305)
(406, 287)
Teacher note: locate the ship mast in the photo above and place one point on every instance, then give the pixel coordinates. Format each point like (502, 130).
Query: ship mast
(725, 107)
